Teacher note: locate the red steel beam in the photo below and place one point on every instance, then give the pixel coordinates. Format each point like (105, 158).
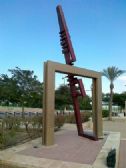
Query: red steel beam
(70, 58)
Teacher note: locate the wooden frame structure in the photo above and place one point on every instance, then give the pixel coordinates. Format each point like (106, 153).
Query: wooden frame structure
(49, 98)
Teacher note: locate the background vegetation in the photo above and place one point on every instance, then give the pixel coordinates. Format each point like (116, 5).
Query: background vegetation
(22, 88)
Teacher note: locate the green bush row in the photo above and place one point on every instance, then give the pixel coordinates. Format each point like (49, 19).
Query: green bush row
(84, 117)
(14, 130)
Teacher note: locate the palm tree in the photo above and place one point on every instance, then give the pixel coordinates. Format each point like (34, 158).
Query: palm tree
(112, 73)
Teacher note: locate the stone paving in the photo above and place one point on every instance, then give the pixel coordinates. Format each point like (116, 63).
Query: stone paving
(69, 147)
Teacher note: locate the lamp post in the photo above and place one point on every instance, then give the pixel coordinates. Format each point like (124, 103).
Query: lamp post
(64, 79)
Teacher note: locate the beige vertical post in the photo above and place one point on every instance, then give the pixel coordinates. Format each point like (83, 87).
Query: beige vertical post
(97, 107)
(49, 98)
(48, 105)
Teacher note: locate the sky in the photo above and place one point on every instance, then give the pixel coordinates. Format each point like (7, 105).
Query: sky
(29, 36)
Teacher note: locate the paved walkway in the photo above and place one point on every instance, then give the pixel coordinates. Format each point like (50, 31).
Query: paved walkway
(69, 147)
(117, 125)
(122, 158)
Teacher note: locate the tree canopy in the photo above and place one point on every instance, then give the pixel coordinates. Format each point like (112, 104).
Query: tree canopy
(22, 88)
(63, 99)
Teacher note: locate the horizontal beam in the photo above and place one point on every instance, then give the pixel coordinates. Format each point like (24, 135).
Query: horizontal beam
(68, 69)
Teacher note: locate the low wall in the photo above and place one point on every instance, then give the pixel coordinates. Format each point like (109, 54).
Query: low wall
(113, 141)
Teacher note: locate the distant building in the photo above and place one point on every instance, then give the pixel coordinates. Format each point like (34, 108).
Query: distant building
(115, 108)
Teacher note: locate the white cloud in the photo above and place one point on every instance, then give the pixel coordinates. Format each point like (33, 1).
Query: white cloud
(122, 78)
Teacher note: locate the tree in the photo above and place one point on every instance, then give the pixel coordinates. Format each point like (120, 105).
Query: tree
(85, 103)
(105, 97)
(119, 99)
(22, 89)
(28, 87)
(63, 97)
(8, 90)
(112, 73)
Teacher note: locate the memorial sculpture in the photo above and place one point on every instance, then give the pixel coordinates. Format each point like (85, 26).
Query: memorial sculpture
(76, 85)
(76, 88)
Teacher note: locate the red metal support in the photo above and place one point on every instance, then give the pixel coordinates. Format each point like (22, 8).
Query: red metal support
(65, 38)
(76, 85)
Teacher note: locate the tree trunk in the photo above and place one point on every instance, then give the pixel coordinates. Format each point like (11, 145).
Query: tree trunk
(110, 101)
(22, 109)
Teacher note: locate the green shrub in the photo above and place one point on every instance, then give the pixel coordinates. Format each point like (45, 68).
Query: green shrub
(59, 121)
(105, 113)
(13, 130)
(12, 123)
(70, 119)
(36, 122)
(84, 117)
(7, 138)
